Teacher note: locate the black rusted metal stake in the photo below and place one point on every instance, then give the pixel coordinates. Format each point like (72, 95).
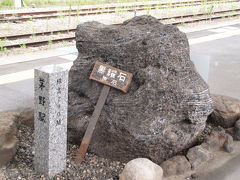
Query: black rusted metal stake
(92, 123)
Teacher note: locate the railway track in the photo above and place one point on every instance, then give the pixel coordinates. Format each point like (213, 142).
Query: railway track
(69, 36)
(26, 16)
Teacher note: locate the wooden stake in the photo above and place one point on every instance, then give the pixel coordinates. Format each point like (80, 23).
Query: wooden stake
(92, 123)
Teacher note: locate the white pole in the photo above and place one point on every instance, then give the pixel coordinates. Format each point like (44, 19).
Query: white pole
(17, 3)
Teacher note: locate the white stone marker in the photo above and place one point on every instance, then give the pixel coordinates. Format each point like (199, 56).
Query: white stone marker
(50, 119)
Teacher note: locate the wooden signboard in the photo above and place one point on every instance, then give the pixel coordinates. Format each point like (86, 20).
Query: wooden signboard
(109, 76)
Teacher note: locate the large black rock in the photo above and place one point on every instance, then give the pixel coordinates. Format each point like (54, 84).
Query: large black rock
(167, 103)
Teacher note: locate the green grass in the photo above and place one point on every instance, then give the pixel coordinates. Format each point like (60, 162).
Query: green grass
(2, 43)
(50, 42)
(23, 46)
(6, 3)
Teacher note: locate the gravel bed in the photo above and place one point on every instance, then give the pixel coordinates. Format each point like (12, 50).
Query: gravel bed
(72, 22)
(186, 27)
(65, 22)
(92, 168)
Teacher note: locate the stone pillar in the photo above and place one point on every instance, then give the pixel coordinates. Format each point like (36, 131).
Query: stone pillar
(50, 119)
(17, 3)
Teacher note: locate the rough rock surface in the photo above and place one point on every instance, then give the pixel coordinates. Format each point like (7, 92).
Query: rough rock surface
(198, 155)
(226, 111)
(176, 165)
(216, 140)
(141, 169)
(8, 140)
(220, 140)
(228, 144)
(237, 130)
(167, 103)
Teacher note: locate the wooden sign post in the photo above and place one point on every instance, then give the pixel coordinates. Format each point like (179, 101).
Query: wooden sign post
(109, 76)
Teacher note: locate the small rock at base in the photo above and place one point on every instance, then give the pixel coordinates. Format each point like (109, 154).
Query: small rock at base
(176, 165)
(226, 111)
(198, 155)
(237, 130)
(220, 139)
(228, 144)
(141, 169)
(8, 140)
(216, 140)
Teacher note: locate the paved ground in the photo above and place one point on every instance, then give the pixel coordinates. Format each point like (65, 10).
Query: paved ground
(225, 166)
(224, 61)
(229, 171)
(16, 79)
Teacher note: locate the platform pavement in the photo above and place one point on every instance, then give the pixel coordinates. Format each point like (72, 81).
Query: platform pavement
(228, 171)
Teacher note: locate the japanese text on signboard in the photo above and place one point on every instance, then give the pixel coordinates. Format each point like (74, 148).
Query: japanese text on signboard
(111, 76)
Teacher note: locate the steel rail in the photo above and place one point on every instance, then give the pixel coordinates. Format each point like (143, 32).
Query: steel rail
(13, 37)
(205, 19)
(200, 14)
(37, 43)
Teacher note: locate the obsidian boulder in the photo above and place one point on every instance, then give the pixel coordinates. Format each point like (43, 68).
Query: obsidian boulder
(167, 104)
